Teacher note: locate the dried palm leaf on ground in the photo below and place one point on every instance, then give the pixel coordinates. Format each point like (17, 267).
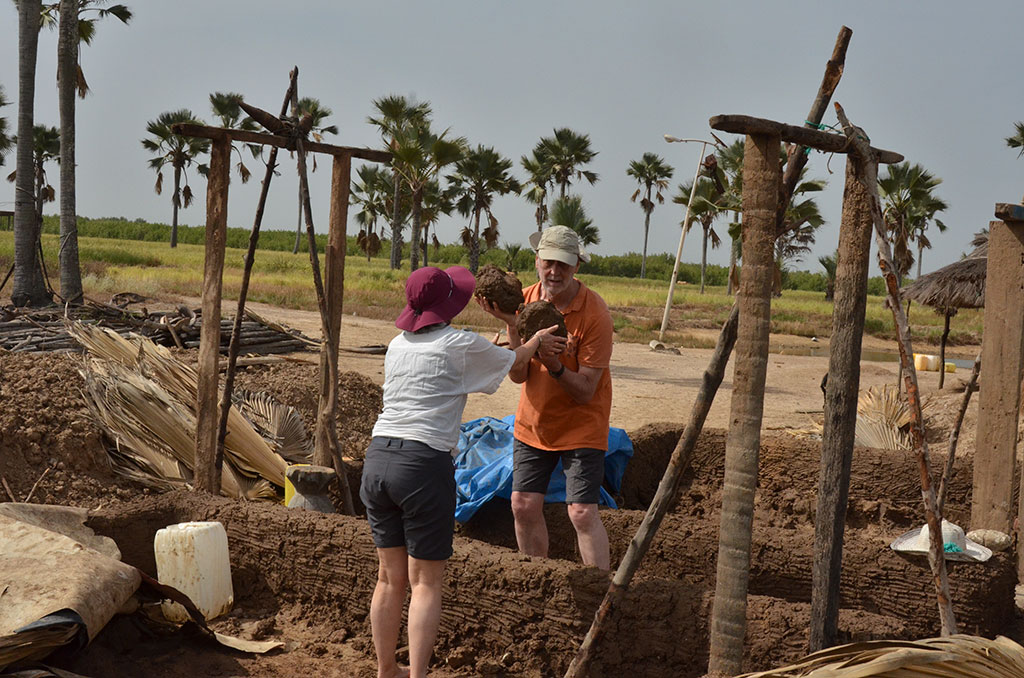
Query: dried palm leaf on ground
(243, 447)
(957, 656)
(882, 419)
(281, 425)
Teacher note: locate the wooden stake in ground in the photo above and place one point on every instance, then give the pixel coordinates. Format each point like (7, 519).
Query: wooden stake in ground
(761, 180)
(840, 407)
(868, 175)
(667, 489)
(954, 435)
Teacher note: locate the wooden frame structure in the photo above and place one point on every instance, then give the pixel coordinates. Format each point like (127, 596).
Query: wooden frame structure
(208, 456)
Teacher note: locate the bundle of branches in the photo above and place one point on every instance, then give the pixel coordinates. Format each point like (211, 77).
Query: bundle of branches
(882, 419)
(146, 401)
(957, 656)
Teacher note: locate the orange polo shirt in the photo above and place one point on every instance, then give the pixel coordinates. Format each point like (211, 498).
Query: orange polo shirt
(547, 417)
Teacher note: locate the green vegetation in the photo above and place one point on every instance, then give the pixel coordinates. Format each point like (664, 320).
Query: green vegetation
(138, 260)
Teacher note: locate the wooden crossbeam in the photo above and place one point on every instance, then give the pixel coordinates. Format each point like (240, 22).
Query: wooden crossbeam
(207, 132)
(805, 136)
(1009, 212)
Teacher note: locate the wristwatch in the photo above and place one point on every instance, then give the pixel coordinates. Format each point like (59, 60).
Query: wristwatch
(557, 373)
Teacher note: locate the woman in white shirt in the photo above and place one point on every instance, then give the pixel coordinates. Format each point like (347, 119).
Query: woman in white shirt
(408, 484)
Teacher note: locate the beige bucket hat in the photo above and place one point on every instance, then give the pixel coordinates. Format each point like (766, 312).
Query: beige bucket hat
(559, 243)
(955, 544)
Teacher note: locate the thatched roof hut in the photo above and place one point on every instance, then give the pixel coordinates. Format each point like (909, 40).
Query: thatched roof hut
(958, 285)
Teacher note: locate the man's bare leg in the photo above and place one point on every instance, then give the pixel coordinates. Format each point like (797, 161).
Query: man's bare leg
(531, 530)
(386, 609)
(591, 535)
(426, 577)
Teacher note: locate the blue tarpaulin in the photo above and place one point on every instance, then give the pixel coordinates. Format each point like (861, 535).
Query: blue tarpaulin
(483, 465)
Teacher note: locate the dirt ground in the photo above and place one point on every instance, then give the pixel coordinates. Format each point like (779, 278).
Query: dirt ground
(304, 579)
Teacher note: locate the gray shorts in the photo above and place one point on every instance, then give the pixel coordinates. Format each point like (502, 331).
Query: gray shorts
(584, 471)
(408, 489)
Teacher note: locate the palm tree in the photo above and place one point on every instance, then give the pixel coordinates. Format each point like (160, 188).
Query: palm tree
(83, 25)
(651, 172)
(570, 212)
(226, 109)
(909, 207)
(537, 184)
(1017, 140)
(564, 155)
(418, 155)
(180, 153)
(318, 113)
(829, 264)
(45, 147)
(29, 288)
(394, 114)
(479, 176)
(435, 203)
(372, 192)
(6, 140)
(705, 209)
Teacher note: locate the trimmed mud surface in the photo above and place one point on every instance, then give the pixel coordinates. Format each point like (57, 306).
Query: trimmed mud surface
(500, 288)
(306, 579)
(538, 315)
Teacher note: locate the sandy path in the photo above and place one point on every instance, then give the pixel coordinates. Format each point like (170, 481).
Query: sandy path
(649, 386)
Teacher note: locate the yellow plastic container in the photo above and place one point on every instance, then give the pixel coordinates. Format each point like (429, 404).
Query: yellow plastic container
(193, 558)
(926, 363)
(950, 368)
(289, 489)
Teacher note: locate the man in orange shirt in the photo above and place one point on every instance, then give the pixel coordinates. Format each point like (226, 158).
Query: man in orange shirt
(565, 402)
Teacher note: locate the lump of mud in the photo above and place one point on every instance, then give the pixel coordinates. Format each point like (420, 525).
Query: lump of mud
(538, 315)
(500, 288)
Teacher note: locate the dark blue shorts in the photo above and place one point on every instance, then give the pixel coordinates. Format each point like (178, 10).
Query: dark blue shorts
(584, 471)
(408, 489)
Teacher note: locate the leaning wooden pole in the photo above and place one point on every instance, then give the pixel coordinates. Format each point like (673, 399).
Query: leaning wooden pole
(841, 393)
(761, 180)
(796, 157)
(663, 498)
(936, 555)
(208, 460)
(954, 434)
(325, 328)
(243, 292)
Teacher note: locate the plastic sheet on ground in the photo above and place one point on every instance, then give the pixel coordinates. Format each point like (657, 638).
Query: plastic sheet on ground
(483, 466)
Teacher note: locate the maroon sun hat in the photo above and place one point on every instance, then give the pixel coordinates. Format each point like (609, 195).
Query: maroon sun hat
(435, 296)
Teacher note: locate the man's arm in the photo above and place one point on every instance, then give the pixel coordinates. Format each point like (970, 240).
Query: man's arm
(579, 385)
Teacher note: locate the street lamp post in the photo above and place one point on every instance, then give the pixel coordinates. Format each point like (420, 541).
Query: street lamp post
(686, 227)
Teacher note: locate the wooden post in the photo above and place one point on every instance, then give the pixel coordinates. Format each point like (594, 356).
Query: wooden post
(327, 452)
(762, 178)
(1002, 352)
(208, 462)
(840, 407)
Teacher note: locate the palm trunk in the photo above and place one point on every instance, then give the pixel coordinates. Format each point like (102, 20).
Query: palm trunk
(417, 216)
(396, 224)
(67, 60)
(176, 203)
(942, 351)
(762, 177)
(643, 261)
(704, 257)
(474, 245)
(27, 289)
(425, 245)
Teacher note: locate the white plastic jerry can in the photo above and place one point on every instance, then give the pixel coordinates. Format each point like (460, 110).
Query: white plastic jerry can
(193, 558)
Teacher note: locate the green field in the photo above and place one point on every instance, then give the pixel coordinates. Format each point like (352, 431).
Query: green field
(281, 278)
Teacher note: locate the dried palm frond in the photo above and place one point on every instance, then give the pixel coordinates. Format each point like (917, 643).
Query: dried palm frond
(959, 656)
(167, 390)
(882, 419)
(280, 425)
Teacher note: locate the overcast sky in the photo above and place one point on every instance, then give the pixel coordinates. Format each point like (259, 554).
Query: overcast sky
(938, 82)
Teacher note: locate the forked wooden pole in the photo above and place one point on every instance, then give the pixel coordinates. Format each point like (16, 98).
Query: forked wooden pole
(243, 293)
(954, 435)
(663, 498)
(936, 555)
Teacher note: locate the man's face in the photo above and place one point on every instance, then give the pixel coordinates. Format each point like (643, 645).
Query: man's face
(555, 276)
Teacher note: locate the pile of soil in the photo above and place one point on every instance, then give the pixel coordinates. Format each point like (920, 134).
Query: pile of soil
(539, 315)
(502, 289)
(306, 578)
